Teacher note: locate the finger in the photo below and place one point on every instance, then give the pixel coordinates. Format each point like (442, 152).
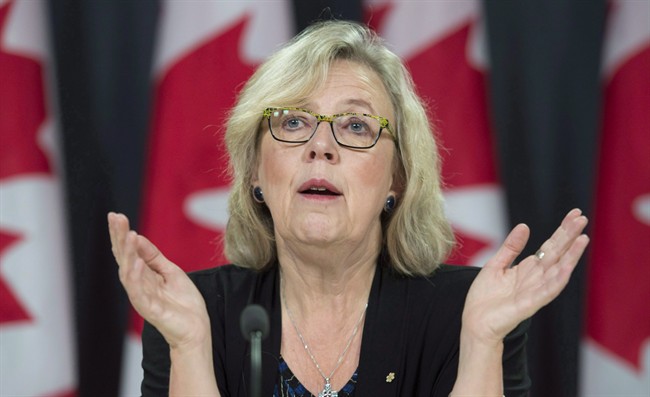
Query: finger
(558, 276)
(511, 247)
(123, 227)
(118, 228)
(137, 283)
(112, 226)
(570, 259)
(113, 230)
(571, 227)
(152, 256)
(147, 250)
(128, 258)
(134, 272)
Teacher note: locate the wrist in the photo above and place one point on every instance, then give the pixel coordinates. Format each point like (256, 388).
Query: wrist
(192, 370)
(191, 346)
(478, 331)
(195, 335)
(480, 342)
(479, 366)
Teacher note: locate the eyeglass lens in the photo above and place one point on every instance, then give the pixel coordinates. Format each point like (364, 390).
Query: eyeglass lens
(350, 129)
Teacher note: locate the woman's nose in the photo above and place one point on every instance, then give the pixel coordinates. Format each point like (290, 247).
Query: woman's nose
(322, 145)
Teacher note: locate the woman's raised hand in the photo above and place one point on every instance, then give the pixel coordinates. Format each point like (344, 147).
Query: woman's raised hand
(158, 289)
(503, 295)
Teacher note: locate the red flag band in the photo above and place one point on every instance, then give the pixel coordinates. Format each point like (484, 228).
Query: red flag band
(616, 348)
(37, 352)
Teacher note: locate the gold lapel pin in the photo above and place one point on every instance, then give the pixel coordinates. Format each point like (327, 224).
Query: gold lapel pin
(390, 377)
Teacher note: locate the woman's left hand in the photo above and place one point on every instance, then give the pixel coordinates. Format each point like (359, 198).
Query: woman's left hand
(502, 295)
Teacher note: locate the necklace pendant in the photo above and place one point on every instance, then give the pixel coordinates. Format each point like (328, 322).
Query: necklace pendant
(327, 390)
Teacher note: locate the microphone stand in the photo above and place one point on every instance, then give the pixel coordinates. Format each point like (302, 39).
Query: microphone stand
(254, 322)
(256, 363)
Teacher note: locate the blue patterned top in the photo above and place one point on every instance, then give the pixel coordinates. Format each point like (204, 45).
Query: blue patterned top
(289, 386)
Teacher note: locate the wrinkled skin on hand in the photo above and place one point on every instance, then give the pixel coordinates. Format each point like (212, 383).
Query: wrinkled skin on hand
(159, 290)
(503, 295)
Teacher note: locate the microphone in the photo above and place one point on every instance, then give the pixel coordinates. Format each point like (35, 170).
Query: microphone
(254, 323)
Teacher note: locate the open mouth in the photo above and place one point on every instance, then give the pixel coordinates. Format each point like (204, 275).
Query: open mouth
(320, 191)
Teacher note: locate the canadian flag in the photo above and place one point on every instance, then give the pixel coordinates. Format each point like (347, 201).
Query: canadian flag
(36, 330)
(206, 50)
(443, 44)
(616, 347)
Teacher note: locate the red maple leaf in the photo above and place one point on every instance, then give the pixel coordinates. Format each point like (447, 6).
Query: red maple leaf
(10, 308)
(456, 92)
(187, 152)
(21, 115)
(617, 312)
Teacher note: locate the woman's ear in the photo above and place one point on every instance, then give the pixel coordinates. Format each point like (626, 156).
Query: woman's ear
(398, 185)
(393, 193)
(258, 194)
(399, 177)
(254, 178)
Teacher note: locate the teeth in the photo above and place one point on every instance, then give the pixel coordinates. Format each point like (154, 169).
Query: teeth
(317, 189)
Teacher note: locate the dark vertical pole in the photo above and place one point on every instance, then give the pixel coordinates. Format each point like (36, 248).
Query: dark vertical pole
(103, 56)
(546, 98)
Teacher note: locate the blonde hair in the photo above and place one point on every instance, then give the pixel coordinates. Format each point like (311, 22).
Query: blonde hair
(417, 235)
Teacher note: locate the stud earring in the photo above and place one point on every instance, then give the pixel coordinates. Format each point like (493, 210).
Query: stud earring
(390, 204)
(258, 195)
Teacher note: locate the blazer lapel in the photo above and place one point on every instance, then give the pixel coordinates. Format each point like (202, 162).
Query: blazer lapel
(381, 361)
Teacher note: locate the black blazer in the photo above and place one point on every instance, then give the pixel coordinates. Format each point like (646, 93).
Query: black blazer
(412, 329)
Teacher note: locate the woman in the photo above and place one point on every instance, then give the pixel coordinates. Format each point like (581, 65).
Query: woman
(337, 228)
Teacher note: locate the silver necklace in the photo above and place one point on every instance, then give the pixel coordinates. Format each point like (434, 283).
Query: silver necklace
(327, 389)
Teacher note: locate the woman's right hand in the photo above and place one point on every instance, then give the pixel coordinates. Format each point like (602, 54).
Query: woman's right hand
(158, 289)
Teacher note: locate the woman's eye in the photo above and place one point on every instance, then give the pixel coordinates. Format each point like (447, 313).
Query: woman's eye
(357, 126)
(293, 124)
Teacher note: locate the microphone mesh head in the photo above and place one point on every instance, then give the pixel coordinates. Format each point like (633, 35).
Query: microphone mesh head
(254, 318)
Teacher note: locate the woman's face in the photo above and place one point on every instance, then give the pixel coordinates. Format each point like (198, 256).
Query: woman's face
(357, 182)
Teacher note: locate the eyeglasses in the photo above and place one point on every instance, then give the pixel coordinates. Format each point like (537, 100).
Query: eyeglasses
(352, 130)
